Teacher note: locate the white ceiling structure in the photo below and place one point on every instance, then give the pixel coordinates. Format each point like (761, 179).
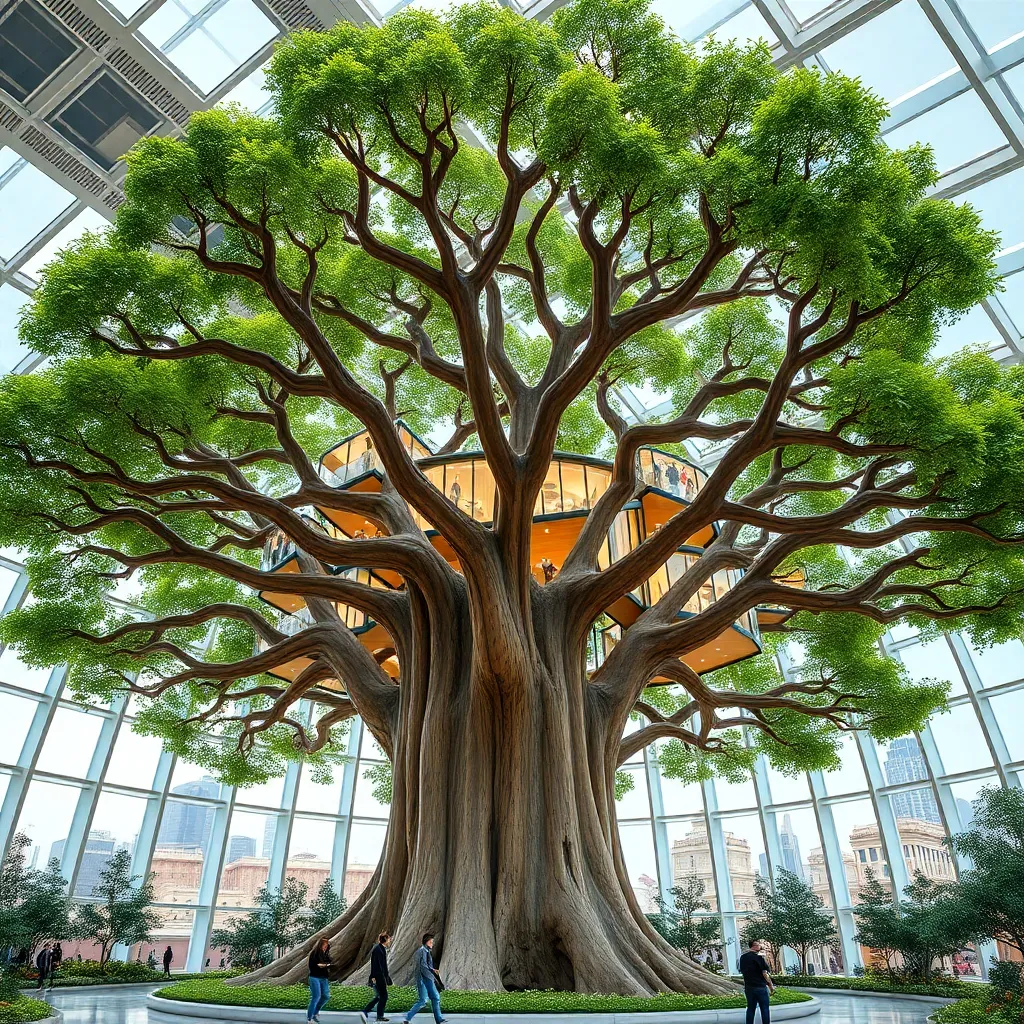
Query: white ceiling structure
(81, 80)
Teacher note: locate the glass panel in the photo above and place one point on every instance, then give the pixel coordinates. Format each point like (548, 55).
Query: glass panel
(181, 847)
(746, 27)
(190, 779)
(641, 864)
(894, 53)
(1012, 297)
(46, 819)
(369, 748)
(247, 855)
(1001, 663)
(174, 929)
(921, 837)
(483, 492)
(12, 350)
(798, 839)
(996, 22)
(996, 200)
(635, 803)
(310, 852)
(365, 845)
(115, 826)
(70, 742)
(365, 804)
(975, 327)
(1009, 711)
(860, 842)
(14, 671)
(964, 794)
(314, 796)
(268, 794)
(732, 796)
(934, 660)
(16, 713)
(8, 577)
(597, 483)
(849, 777)
(551, 492)
(745, 853)
(574, 487)
(458, 482)
(134, 759)
(31, 202)
(211, 46)
(957, 131)
(691, 855)
(784, 788)
(902, 760)
(252, 92)
(960, 740)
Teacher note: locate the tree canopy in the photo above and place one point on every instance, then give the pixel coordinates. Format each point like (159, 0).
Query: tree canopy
(488, 227)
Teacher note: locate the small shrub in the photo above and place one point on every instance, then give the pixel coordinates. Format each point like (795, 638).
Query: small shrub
(23, 1009)
(349, 998)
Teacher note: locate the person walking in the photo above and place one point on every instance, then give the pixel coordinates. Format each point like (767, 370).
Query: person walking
(757, 983)
(44, 960)
(56, 956)
(379, 978)
(319, 989)
(168, 957)
(427, 981)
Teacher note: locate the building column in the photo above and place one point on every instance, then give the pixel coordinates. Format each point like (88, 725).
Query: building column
(283, 831)
(342, 829)
(662, 854)
(213, 865)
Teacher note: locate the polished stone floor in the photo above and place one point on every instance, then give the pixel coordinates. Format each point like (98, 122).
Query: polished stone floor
(129, 1007)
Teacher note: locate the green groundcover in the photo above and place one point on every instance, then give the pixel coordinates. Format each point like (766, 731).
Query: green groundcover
(345, 997)
(24, 1009)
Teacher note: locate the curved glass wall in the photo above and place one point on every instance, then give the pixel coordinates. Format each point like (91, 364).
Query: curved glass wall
(81, 784)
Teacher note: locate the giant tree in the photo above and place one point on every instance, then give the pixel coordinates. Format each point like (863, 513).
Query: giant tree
(489, 228)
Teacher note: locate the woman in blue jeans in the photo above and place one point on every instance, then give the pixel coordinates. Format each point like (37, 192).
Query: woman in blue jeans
(319, 990)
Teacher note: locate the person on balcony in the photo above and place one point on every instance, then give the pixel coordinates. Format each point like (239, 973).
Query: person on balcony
(366, 461)
(455, 491)
(672, 476)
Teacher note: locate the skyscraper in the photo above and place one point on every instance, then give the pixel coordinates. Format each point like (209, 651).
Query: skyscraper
(98, 847)
(789, 847)
(905, 763)
(240, 846)
(186, 826)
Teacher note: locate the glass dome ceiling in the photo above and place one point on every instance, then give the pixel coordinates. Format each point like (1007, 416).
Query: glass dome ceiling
(80, 80)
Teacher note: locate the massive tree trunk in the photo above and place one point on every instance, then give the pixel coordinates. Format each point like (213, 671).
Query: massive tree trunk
(502, 838)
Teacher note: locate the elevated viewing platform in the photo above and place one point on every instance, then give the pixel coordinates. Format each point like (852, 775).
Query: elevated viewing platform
(666, 484)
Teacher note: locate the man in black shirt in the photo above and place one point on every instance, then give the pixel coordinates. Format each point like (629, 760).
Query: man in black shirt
(757, 983)
(379, 978)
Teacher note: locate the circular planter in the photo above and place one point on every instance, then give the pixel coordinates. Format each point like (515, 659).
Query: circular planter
(932, 1000)
(274, 1015)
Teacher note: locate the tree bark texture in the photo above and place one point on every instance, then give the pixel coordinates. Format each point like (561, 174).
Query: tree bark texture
(502, 838)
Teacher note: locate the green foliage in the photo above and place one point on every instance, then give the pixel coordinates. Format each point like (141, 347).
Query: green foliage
(991, 888)
(34, 904)
(224, 351)
(326, 907)
(790, 914)
(400, 999)
(282, 921)
(929, 922)
(23, 1009)
(677, 920)
(379, 776)
(945, 988)
(123, 911)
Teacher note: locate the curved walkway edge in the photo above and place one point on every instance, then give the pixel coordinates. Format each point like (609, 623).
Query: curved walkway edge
(932, 1000)
(274, 1015)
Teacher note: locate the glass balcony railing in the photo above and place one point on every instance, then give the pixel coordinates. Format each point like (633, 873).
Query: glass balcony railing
(356, 456)
(670, 473)
(280, 547)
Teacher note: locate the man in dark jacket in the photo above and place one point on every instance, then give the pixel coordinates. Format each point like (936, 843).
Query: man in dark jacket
(379, 978)
(44, 962)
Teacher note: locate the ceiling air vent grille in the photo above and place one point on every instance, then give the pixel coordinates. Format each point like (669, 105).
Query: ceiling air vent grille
(113, 199)
(134, 72)
(296, 14)
(64, 161)
(84, 27)
(9, 119)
